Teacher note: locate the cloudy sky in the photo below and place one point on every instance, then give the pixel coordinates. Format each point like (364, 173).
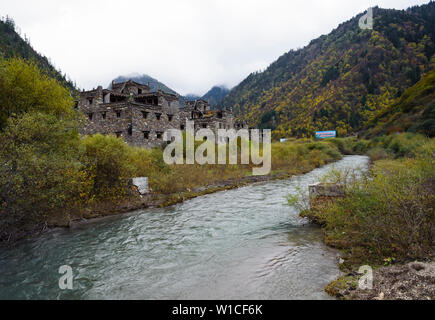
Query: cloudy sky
(190, 45)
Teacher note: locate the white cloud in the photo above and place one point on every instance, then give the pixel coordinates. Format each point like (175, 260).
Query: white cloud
(190, 45)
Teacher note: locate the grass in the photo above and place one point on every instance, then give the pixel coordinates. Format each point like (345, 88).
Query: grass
(388, 214)
(288, 158)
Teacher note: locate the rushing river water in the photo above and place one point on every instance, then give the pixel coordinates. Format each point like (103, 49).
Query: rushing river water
(245, 243)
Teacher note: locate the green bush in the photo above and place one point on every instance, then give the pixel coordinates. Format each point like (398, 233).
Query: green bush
(39, 171)
(361, 146)
(23, 88)
(351, 145)
(345, 145)
(378, 153)
(390, 214)
(107, 162)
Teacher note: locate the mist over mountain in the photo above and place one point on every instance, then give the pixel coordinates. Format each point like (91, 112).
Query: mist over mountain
(154, 84)
(216, 94)
(213, 96)
(192, 96)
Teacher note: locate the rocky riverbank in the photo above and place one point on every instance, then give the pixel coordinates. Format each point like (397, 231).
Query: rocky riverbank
(356, 222)
(410, 281)
(135, 201)
(154, 200)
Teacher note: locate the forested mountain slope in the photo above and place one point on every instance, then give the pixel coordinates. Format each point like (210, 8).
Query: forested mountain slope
(414, 111)
(342, 80)
(12, 45)
(216, 95)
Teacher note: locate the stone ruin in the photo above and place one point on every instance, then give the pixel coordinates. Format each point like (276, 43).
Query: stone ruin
(131, 111)
(324, 193)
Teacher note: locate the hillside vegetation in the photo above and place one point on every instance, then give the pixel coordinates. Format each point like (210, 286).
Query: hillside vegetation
(12, 45)
(342, 80)
(414, 111)
(215, 95)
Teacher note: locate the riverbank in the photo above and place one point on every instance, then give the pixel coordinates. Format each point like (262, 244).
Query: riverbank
(245, 243)
(385, 220)
(93, 181)
(135, 201)
(407, 281)
(96, 184)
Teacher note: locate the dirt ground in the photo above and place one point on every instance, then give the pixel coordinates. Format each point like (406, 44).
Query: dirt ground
(411, 281)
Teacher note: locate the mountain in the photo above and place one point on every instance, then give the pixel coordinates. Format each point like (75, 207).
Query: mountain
(155, 85)
(341, 80)
(414, 111)
(192, 96)
(12, 45)
(216, 95)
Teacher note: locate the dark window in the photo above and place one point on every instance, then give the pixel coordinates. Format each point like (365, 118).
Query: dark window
(159, 134)
(130, 130)
(204, 125)
(90, 100)
(146, 134)
(103, 115)
(170, 117)
(182, 127)
(139, 91)
(118, 134)
(118, 114)
(158, 115)
(90, 115)
(144, 114)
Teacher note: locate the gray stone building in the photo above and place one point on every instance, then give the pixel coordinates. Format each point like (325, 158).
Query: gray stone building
(129, 110)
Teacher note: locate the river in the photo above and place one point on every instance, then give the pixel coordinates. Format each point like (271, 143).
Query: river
(244, 243)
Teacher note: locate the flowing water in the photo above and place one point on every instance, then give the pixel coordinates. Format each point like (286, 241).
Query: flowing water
(245, 243)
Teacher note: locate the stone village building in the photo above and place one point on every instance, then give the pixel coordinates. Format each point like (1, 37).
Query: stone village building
(129, 110)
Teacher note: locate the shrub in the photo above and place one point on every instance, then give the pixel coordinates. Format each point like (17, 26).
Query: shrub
(360, 147)
(389, 215)
(378, 153)
(406, 144)
(23, 88)
(107, 162)
(344, 145)
(39, 171)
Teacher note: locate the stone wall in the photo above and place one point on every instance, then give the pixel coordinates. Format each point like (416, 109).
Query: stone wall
(141, 117)
(149, 123)
(107, 119)
(324, 193)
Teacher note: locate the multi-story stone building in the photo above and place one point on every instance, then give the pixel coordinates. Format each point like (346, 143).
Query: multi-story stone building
(129, 110)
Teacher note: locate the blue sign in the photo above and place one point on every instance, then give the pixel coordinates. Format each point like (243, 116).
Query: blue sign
(326, 134)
